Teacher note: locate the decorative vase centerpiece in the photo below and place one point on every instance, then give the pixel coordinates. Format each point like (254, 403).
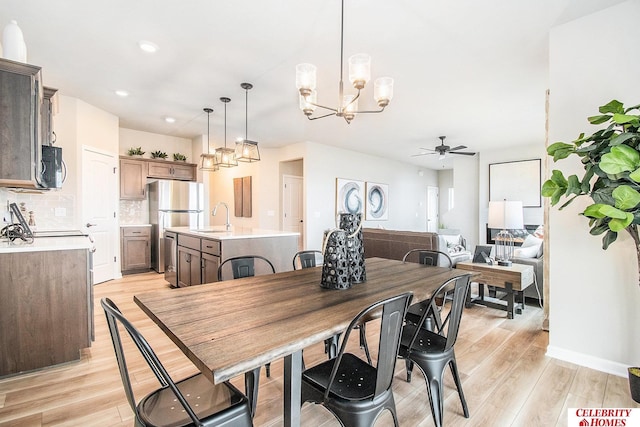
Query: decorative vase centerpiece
(335, 267)
(352, 224)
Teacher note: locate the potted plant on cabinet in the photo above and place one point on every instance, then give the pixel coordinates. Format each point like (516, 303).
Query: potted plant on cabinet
(611, 161)
(158, 155)
(179, 157)
(135, 151)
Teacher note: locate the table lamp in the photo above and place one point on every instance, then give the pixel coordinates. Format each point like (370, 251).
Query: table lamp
(505, 215)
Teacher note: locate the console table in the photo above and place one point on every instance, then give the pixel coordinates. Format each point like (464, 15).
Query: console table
(513, 280)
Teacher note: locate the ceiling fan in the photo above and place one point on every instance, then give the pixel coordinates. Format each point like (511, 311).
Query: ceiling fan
(442, 149)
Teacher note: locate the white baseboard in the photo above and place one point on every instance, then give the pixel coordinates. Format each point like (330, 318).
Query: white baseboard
(603, 365)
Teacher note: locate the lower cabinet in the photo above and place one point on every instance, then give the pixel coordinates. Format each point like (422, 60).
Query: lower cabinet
(198, 260)
(189, 267)
(46, 308)
(136, 249)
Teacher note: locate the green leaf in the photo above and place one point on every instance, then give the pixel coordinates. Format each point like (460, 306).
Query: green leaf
(560, 150)
(623, 137)
(626, 197)
(612, 212)
(573, 186)
(593, 211)
(621, 158)
(596, 120)
(608, 239)
(617, 224)
(614, 106)
(626, 118)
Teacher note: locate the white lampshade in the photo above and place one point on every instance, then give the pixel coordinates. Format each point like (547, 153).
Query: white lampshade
(359, 70)
(383, 91)
(306, 78)
(350, 106)
(506, 215)
(307, 103)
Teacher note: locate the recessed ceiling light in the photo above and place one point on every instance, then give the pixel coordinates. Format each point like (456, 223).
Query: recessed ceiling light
(122, 93)
(169, 120)
(148, 46)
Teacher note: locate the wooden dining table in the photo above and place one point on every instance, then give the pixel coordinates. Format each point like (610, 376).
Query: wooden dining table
(232, 327)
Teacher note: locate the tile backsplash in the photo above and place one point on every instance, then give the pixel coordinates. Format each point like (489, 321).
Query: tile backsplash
(51, 210)
(134, 212)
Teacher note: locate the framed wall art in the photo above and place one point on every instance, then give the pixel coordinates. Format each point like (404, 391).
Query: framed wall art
(519, 180)
(377, 203)
(349, 196)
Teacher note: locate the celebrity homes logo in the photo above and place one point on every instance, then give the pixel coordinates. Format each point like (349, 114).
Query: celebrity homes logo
(603, 417)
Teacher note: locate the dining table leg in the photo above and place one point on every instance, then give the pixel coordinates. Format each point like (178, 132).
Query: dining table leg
(292, 388)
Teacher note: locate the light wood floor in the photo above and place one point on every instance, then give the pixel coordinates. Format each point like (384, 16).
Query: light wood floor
(507, 379)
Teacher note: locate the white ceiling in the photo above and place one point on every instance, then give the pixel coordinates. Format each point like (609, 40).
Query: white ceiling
(475, 71)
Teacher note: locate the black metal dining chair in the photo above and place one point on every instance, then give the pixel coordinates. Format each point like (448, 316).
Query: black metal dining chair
(245, 266)
(432, 258)
(432, 351)
(355, 391)
(307, 259)
(188, 402)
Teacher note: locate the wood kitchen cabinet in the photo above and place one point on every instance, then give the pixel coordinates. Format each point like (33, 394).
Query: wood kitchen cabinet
(46, 308)
(135, 243)
(133, 179)
(48, 137)
(189, 267)
(198, 260)
(163, 169)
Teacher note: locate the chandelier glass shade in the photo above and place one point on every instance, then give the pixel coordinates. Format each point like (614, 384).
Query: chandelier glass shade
(359, 76)
(247, 151)
(208, 160)
(225, 157)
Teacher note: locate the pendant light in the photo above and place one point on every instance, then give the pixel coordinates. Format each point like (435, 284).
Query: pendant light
(226, 157)
(247, 151)
(208, 160)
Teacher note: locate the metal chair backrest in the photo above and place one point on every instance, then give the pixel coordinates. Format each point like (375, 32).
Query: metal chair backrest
(114, 315)
(243, 266)
(429, 257)
(457, 289)
(307, 259)
(393, 312)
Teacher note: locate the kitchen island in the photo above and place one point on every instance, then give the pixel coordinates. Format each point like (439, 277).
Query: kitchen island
(46, 308)
(197, 253)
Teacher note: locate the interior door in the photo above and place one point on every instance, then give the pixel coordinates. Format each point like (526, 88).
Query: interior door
(292, 208)
(432, 209)
(99, 197)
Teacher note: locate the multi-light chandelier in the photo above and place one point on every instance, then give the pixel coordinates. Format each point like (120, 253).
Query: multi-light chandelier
(359, 75)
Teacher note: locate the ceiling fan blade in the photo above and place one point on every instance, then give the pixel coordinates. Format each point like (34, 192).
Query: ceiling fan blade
(459, 147)
(421, 154)
(464, 153)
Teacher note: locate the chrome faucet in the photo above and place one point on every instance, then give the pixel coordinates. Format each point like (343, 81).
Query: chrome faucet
(228, 224)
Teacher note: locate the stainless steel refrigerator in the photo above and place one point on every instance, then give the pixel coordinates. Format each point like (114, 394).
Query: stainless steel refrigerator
(172, 204)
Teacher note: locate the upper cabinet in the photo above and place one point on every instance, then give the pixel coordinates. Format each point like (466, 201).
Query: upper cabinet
(134, 174)
(163, 169)
(48, 136)
(20, 124)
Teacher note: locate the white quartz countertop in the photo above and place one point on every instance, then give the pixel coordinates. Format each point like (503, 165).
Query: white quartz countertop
(46, 244)
(219, 233)
(134, 225)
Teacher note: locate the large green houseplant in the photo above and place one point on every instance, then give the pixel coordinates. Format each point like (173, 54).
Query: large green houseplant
(611, 161)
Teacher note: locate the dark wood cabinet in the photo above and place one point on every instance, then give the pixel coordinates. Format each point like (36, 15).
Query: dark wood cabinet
(209, 266)
(135, 245)
(45, 309)
(48, 136)
(189, 267)
(133, 179)
(20, 124)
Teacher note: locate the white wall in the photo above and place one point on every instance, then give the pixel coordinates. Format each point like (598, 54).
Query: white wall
(464, 215)
(594, 294)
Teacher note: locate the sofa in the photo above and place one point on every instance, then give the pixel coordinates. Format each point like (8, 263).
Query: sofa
(530, 253)
(394, 244)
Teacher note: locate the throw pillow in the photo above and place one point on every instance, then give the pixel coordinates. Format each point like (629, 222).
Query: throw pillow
(533, 242)
(528, 252)
(451, 239)
(452, 249)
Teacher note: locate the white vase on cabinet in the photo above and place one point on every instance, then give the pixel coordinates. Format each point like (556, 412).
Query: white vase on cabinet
(15, 48)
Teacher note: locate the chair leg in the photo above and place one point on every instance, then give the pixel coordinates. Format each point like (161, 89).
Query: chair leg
(409, 367)
(456, 378)
(251, 384)
(434, 389)
(363, 342)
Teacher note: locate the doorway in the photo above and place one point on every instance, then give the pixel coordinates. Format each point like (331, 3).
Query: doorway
(292, 206)
(433, 207)
(99, 186)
